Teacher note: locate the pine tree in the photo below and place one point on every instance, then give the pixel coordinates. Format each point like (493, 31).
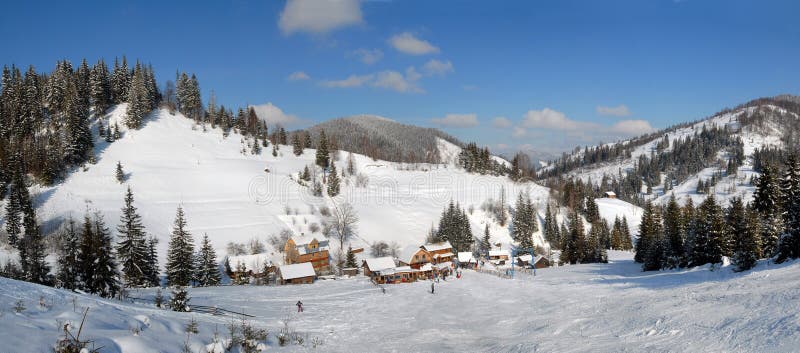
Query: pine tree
(32, 250)
(97, 266)
(307, 142)
(351, 164)
(767, 202)
(207, 266)
(524, 223)
(616, 235)
(652, 245)
(132, 249)
(297, 145)
(626, 234)
(575, 241)
(282, 136)
(16, 191)
(151, 271)
(789, 243)
(120, 174)
(274, 150)
(709, 227)
(333, 181)
(68, 275)
(306, 175)
(179, 301)
(351, 261)
(180, 253)
(675, 233)
(323, 159)
(79, 136)
(486, 242)
(745, 236)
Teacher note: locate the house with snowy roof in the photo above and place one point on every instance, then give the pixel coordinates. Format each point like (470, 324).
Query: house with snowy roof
(256, 265)
(302, 273)
(306, 248)
(467, 260)
(441, 252)
(414, 256)
(528, 261)
(499, 257)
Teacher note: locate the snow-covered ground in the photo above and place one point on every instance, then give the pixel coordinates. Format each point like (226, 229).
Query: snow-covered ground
(581, 308)
(227, 194)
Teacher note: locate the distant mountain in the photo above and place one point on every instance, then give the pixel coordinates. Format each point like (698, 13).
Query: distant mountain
(385, 139)
(717, 155)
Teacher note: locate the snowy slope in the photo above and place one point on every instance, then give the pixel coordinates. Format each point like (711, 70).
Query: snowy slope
(228, 195)
(579, 308)
(613, 208)
(767, 136)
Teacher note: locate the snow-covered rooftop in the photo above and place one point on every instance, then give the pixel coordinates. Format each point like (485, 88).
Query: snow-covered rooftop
(254, 263)
(502, 252)
(380, 263)
(445, 245)
(465, 257)
(297, 271)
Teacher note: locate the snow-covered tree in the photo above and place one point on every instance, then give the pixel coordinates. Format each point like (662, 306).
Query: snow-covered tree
(322, 159)
(333, 181)
(207, 268)
(68, 274)
(180, 253)
(132, 249)
(119, 174)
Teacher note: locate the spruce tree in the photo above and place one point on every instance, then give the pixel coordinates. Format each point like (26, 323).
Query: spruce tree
(32, 251)
(98, 268)
(486, 242)
(323, 159)
(789, 244)
(657, 250)
(767, 202)
(351, 261)
(745, 235)
(68, 275)
(675, 233)
(180, 253)
(151, 271)
(574, 246)
(626, 234)
(297, 145)
(333, 181)
(351, 164)
(207, 267)
(132, 249)
(119, 174)
(13, 219)
(709, 233)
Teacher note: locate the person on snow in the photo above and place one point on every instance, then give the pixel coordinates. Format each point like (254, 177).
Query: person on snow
(432, 288)
(299, 306)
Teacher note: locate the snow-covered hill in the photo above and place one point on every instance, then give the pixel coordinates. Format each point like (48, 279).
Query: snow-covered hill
(594, 307)
(754, 136)
(227, 194)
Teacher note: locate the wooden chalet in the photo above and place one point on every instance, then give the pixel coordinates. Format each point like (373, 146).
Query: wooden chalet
(301, 273)
(414, 257)
(610, 195)
(302, 249)
(467, 260)
(528, 261)
(499, 257)
(440, 252)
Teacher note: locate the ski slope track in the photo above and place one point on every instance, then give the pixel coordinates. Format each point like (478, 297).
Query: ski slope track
(580, 308)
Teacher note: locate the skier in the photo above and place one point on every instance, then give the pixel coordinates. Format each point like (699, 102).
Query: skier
(432, 288)
(299, 306)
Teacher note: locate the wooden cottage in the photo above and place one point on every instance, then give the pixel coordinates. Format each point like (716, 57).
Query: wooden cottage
(467, 260)
(499, 257)
(372, 267)
(302, 249)
(414, 257)
(528, 261)
(610, 195)
(440, 252)
(302, 273)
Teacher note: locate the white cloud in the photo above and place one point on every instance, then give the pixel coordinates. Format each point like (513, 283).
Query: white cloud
(350, 81)
(501, 122)
(274, 115)
(298, 76)
(632, 127)
(551, 119)
(407, 43)
(436, 67)
(518, 132)
(368, 56)
(395, 81)
(502, 146)
(390, 79)
(620, 110)
(457, 120)
(319, 16)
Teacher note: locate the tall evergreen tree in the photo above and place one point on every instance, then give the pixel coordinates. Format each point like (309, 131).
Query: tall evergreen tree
(32, 250)
(207, 267)
(297, 145)
(709, 234)
(574, 246)
(675, 233)
(351, 261)
(180, 253)
(68, 275)
(767, 202)
(333, 181)
(323, 159)
(151, 271)
(98, 267)
(744, 227)
(789, 245)
(132, 247)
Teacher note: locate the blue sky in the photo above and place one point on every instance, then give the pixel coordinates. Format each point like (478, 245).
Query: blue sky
(533, 75)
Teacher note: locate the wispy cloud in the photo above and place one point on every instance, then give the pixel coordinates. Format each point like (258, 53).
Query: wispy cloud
(389, 79)
(407, 43)
(436, 67)
(501, 122)
(457, 120)
(319, 16)
(350, 81)
(298, 76)
(271, 114)
(619, 111)
(368, 56)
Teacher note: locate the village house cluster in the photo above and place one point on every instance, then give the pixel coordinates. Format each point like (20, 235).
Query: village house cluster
(306, 258)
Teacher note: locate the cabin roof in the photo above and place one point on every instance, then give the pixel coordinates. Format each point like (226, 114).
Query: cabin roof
(380, 263)
(300, 270)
